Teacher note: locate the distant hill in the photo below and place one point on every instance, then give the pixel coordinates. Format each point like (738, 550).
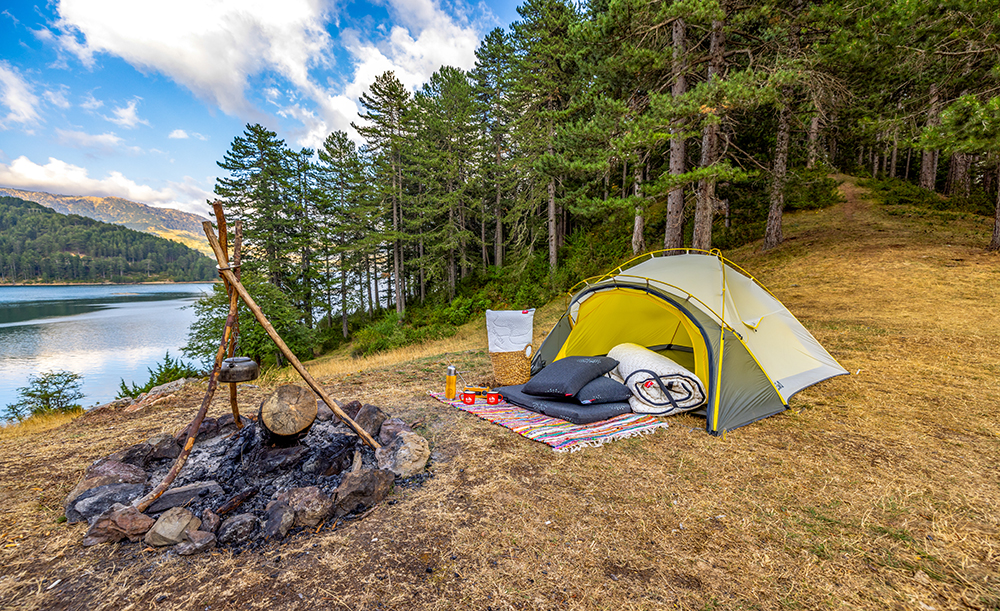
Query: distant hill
(182, 227)
(38, 244)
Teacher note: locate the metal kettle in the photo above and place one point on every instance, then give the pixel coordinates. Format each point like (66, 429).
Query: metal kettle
(239, 369)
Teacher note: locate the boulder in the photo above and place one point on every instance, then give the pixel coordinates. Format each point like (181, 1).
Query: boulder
(279, 518)
(209, 428)
(197, 541)
(101, 473)
(310, 505)
(238, 529)
(117, 523)
(163, 446)
(351, 409)
(370, 418)
(171, 527)
(184, 495)
(406, 456)
(137, 455)
(362, 489)
(391, 428)
(210, 521)
(323, 411)
(92, 503)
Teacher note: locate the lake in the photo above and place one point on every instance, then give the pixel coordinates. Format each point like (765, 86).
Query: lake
(104, 333)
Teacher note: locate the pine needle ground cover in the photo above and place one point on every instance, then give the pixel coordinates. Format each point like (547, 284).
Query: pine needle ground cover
(875, 491)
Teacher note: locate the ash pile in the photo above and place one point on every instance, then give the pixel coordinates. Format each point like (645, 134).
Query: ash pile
(243, 487)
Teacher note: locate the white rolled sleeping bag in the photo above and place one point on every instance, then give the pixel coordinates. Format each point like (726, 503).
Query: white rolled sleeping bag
(659, 385)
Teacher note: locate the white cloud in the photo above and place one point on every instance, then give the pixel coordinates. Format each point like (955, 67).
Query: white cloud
(104, 143)
(211, 48)
(90, 102)
(64, 178)
(127, 116)
(16, 95)
(57, 97)
(178, 134)
(215, 48)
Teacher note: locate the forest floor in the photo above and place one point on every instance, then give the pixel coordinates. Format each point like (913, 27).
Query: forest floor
(877, 490)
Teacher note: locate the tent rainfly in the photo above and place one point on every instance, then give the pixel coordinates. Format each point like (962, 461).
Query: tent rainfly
(705, 313)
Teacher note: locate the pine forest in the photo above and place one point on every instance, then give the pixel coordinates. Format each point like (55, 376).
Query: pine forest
(586, 134)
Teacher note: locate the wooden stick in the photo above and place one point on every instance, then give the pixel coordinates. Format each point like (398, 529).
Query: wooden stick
(220, 217)
(306, 376)
(142, 504)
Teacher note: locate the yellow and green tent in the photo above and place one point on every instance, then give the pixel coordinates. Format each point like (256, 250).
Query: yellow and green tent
(705, 313)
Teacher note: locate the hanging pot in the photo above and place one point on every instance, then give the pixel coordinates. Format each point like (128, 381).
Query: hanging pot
(239, 369)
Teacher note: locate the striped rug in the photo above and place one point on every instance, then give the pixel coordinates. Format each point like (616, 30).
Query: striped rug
(560, 435)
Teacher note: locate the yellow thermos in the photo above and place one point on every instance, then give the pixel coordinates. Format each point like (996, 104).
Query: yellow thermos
(450, 382)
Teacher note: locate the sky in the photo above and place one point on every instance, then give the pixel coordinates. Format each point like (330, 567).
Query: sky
(141, 99)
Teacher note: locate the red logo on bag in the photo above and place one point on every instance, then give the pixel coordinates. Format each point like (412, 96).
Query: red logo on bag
(648, 384)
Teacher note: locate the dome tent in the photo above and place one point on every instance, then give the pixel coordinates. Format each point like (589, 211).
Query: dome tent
(705, 313)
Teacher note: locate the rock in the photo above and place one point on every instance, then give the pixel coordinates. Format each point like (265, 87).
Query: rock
(238, 529)
(102, 473)
(406, 456)
(282, 458)
(210, 521)
(163, 446)
(96, 501)
(209, 428)
(310, 505)
(352, 409)
(323, 411)
(370, 418)
(390, 428)
(184, 495)
(332, 458)
(170, 528)
(197, 541)
(137, 455)
(117, 523)
(279, 518)
(361, 489)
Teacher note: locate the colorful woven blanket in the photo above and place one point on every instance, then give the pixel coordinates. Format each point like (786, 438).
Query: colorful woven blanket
(560, 435)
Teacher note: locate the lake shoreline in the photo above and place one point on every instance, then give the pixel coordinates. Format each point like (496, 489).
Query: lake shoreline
(151, 282)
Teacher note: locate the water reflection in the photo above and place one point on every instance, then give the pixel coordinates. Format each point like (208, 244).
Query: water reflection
(105, 333)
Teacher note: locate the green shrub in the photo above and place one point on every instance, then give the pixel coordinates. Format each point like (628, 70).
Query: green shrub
(390, 333)
(811, 190)
(168, 370)
(52, 391)
(898, 192)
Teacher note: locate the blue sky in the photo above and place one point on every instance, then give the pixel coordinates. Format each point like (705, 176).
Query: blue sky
(141, 99)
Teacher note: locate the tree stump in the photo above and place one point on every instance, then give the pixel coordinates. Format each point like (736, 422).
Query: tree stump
(287, 414)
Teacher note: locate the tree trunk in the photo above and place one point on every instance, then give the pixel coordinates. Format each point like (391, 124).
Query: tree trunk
(995, 240)
(705, 207)
(639, 226)
(895, 152)
(674, 235)
(909, 156)
(812, 148)
(498, 233)
(772, 233)
(928, 161)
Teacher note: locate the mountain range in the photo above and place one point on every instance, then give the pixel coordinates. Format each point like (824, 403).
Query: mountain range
(182, 227)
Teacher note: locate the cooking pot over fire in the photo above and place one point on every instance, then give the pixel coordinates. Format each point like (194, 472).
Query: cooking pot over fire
(239, 369)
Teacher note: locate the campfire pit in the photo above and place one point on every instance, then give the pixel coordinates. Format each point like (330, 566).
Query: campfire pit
(238, 489)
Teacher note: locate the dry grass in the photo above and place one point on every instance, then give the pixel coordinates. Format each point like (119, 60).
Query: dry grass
(876, 491)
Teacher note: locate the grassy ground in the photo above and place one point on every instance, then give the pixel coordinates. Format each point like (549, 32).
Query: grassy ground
(878, 490)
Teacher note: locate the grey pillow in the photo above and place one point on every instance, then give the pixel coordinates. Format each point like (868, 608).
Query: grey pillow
(567, 376)
(603, 390)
